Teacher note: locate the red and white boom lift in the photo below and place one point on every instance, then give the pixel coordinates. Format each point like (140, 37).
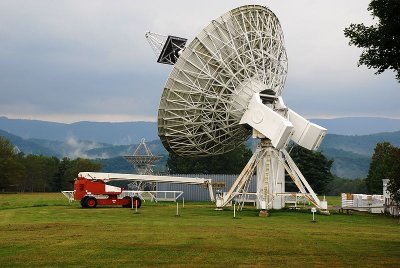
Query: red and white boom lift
(91, 188)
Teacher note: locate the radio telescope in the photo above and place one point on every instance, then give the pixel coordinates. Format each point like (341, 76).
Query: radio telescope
(143, 160)
(225, 86)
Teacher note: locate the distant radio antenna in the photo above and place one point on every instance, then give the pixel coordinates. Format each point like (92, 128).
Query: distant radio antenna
(142, 159)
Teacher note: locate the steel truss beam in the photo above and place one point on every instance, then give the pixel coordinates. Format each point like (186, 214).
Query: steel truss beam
(267, 154)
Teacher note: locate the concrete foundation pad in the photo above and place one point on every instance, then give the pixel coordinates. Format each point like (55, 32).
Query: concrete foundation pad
(263, 213)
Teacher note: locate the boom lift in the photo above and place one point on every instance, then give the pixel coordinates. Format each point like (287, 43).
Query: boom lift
(91, 188)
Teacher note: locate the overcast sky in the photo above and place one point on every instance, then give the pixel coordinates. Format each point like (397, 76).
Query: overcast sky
(69, 61)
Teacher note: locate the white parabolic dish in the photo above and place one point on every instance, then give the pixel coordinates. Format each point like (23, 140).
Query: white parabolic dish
(240, 53)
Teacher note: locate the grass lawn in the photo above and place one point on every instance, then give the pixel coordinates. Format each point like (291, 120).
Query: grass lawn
(45, 230)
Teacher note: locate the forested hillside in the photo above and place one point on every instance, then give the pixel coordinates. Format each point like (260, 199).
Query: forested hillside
(38, 173)
(132, 132)
(351, 154)
(359, 144)
(96, 132)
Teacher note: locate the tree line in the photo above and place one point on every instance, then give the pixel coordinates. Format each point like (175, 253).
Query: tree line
(385, 164)
(381, 51)
(314, 166)
(37, 173)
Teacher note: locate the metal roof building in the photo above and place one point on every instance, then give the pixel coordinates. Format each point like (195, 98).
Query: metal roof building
(199, 192)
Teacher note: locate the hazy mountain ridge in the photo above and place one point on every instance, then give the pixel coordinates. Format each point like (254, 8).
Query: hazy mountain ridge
(70, 148)
(359, 125)
(359, 144)
(28, 146)
(110, 156)
(125, 133)
(351, 154)
(155, 147)
(102, 132)
(348, 164)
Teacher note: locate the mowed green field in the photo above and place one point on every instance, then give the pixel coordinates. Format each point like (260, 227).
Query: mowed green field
(45, 230)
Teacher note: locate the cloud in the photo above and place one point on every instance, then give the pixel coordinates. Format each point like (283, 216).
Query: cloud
(89, 60)
(77, 148)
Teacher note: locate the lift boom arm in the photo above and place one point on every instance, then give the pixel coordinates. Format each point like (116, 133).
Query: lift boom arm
(149, 178)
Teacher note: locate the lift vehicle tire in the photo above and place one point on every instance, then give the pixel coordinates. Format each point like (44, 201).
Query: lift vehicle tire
(137, 202)
(83, 201)
(129, 203)
(91, 202)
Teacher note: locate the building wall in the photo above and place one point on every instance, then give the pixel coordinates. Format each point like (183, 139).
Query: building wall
(199, 192)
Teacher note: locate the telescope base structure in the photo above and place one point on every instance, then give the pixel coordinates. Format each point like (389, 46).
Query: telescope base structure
(271, 165)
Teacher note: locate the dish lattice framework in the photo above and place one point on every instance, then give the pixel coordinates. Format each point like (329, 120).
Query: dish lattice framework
(210, 85)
